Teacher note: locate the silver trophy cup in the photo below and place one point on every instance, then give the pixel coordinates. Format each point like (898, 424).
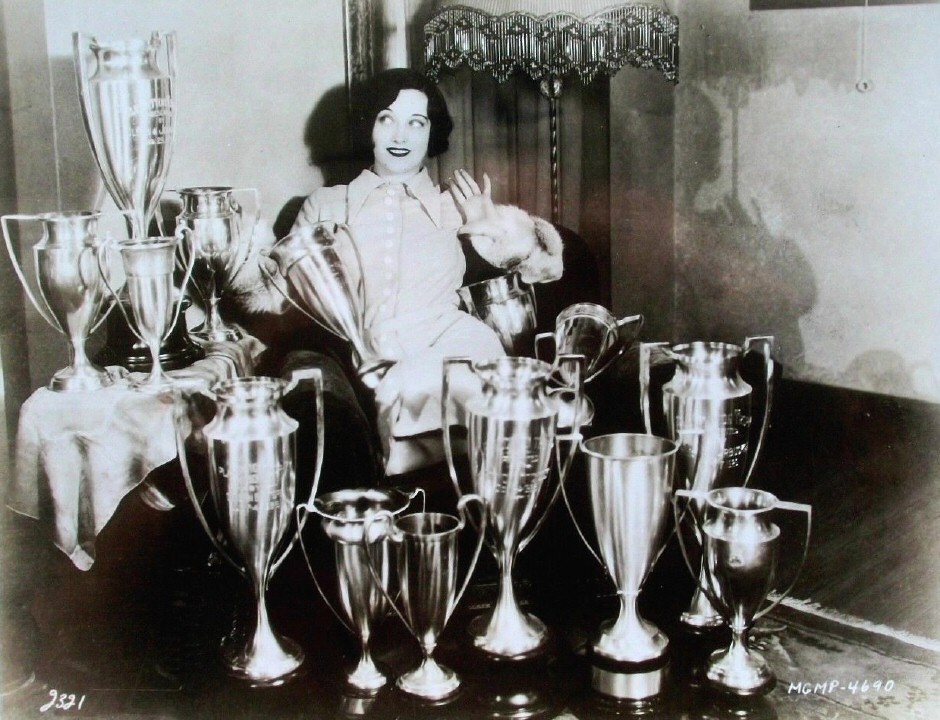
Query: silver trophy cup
(630, 481)
(324, 273)
(591, 330)
(69, 292)
(155, 301)
(364, 566)
(250, 455)
(507, 305)
(220, 221)
(129, 108)
(426, 546)
(512, 432)
(707, 410)
(740, 546)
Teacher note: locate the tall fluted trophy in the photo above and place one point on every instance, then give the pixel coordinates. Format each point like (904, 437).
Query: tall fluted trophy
(426, 545)
(128, 106)
(220, 221)
(321, 265)
(591, 330)
(364, 569)
(707, 411)
(512, 433)
(69, 292)
(740, 551)
(630, 483)
(507, 305)
(249, 453)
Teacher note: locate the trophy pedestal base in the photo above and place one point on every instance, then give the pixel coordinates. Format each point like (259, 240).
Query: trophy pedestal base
(279, 662)
(745, 676)
(509, 635)
(637, 683)
(87, 379)
(636, 643)
(224, 333)
(430, 681)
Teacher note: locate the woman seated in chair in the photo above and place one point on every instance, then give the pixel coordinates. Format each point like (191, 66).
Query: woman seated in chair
(408, 235)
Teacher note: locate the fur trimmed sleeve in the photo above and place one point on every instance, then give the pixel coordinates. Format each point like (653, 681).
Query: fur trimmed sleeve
(518, 241)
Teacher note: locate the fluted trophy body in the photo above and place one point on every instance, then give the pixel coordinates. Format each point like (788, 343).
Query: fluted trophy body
(512, 435)
(249, 450)
(707, 408)
(66, 286)
(507, 305)
(129, 109)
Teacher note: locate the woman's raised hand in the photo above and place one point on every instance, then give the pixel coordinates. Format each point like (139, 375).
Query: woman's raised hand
(475, 204)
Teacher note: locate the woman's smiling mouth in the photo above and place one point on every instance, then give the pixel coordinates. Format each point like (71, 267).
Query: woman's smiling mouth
(397, 152)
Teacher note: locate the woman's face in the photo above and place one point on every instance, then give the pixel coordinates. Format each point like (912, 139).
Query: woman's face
(400, 136)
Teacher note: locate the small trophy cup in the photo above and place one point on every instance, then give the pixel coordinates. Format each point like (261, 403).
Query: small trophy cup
(591, 330)
(129, 109)
(154, 300)
(249, 448)
(220, 231)
(707, 408)
(70, 292)
(318, 271)
(507, 305)
(512, 426)
(363, 565)
(426, 545)
(630, 480)
(740, 546)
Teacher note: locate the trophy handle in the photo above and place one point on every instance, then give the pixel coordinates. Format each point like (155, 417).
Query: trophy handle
(41, 308)
(702, 496)
(646, 350)
(577, 527)
(181, 421)
(766, 344)
(620, 342)
(316, 375)
(105, 251)
(793, 507)
(480, 528)
(449, 363)
(573, 438)
(249, 223)
(302, 511)
(183, 285)
(393, 535)
(540, 340)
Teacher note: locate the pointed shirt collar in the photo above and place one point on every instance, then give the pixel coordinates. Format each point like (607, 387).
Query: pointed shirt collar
(420, 187)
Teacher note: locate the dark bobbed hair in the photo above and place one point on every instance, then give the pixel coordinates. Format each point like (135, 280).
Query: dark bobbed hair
(378, 92)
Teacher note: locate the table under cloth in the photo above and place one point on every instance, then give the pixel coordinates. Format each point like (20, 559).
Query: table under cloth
(79, 454)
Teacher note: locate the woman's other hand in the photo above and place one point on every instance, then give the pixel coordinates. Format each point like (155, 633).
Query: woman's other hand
(475, 205)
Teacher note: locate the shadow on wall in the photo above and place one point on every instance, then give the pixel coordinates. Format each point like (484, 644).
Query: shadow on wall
(328, 139)
(734, 276)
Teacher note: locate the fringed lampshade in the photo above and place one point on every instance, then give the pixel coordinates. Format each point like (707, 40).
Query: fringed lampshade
(551, 40)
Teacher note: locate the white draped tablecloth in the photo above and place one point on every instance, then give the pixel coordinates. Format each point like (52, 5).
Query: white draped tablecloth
(79, 454)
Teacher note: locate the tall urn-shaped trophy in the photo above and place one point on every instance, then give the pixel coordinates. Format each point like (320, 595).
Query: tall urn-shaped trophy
(707, 411)
(68, 290)
(512, 433)
(128, 105)
(249, 453)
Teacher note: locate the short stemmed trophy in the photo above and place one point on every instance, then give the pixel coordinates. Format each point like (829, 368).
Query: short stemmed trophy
(630, 483)
(322, 267)
(69, 292)
(591, 330)
(249, 447)
(154, 300)
(426, 545)
(512, 432)
(507, 305)
(707, 411)
(220, 221)
(129, 109)
(740, 550)
(364, 570)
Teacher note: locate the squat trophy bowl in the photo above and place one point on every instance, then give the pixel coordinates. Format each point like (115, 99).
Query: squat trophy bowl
(426, 549)
(155, 302)
(328, 290)
(740, 548)
(69, 292)
(591, 330)
(220, 232)
(128, 106)
(707, 409)
(630, 482)
(249, 449)
(507, 305)
(364, 568)
(512, 426)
